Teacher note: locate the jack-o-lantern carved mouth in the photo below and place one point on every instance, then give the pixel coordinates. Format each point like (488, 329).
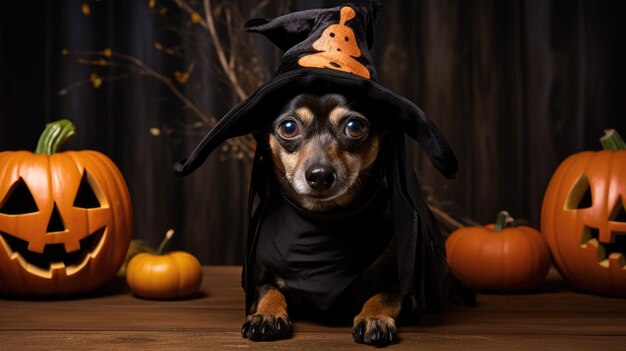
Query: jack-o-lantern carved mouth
(581, 198)
(616, 250)
(54, 256)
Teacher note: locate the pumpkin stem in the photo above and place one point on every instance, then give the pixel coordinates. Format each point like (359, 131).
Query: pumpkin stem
(165, 244)
(54, 136)
(611, 140)
(504, 220)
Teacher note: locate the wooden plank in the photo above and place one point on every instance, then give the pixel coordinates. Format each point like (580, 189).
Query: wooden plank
(553, 317)
(36, 340)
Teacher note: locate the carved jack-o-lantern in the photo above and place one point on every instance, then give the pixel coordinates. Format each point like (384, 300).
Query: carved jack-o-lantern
(65, 218)
(584, 218)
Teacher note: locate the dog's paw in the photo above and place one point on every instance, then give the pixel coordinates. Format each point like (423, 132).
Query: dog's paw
(375, 331)
(264, 327)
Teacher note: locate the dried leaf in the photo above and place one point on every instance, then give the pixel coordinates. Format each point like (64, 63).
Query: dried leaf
(217, 11)
(95, 80)
(163, 10)
(86, 9)
(158, 46)
(170, 51)
(151, 4)
(155, 131)
(65, 52)
(181, 77)
(195, 18)
(107, 52)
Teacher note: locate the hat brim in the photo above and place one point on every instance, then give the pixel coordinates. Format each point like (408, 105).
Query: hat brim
(383, 106)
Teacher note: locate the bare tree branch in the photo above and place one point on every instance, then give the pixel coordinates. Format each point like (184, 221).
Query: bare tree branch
(168, 82)
(230, 73)
(259, 7)
(445, 218)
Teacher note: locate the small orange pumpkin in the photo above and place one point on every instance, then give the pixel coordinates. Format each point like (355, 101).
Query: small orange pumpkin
(164, 276)
(584, 218)
(496, 257)
(65, 217)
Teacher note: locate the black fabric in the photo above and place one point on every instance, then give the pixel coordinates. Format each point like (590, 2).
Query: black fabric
(312, 252)
(318, 256)
(420, 247)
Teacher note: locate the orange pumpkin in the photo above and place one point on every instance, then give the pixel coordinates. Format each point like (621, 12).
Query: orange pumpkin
(164, 275)
(65, 218)
(494, 257)
(584, 220)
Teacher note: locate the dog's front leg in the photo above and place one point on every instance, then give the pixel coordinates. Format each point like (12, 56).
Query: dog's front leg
(376, 324)
(270, 320)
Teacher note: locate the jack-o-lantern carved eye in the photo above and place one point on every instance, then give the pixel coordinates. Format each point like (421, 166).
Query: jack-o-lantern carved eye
(86, 197)
(19, 200)
(580, 195)
(619, 213)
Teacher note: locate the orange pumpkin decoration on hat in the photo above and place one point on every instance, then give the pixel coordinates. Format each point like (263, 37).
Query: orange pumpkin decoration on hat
(338, 48)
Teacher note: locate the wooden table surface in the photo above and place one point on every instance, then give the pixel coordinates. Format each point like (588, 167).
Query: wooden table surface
(555, 318)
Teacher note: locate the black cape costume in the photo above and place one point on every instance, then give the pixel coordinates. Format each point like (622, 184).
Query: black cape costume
(327, 51)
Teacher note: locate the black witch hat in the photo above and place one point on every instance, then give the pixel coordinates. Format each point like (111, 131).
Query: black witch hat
(327, 51)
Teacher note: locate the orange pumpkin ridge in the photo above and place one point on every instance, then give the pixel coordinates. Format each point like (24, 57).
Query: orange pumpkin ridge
(556, 251)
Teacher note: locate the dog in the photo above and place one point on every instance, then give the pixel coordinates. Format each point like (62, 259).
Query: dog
(325, 155)
(337, 223)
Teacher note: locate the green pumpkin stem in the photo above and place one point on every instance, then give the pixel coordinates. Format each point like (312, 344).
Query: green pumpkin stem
(611, 140)
(504, 220)
(54, 136)
(165, 244)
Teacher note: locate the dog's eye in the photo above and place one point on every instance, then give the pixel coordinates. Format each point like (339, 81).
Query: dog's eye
(288, 129)
(355, 128)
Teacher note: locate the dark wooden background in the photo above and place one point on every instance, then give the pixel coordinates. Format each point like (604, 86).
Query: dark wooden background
(516, 86)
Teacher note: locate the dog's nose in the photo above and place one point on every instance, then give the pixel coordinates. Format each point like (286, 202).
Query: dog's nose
(320, 177)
